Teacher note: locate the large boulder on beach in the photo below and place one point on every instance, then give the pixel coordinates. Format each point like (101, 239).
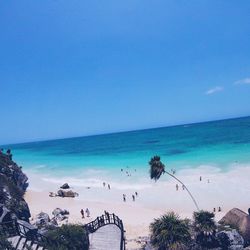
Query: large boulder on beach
(65, 186)
(237, 218)
(69, 193)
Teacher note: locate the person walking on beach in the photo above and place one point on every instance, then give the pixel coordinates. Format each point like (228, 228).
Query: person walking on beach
(133, 197)
(219, 209)
(124, 197)
(136, 194)
(82, 213)
(104, 184)
(87, 212)
(200, 178)
(108, 186)
(177, 187)
(183, 187)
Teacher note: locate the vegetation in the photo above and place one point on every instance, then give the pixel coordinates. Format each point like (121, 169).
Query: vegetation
(204, 226)
(170, 232)
(204, 221)
(4, 243)
(157, 168)
(68, 237)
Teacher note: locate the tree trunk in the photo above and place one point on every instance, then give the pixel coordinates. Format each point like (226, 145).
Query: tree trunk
(195, 203)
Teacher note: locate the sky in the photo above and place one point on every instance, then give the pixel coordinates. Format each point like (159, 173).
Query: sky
(73, 68)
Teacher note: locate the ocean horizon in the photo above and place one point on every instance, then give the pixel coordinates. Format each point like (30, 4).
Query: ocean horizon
(217, 144)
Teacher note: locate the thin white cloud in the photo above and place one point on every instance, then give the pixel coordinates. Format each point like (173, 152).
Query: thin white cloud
(214, 90)
(242, 81)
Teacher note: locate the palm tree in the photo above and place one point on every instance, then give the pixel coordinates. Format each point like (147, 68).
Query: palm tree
(169, 232)
(204, 226)
(204, 221)
(157, 168)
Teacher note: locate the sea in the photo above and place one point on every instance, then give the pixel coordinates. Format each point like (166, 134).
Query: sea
(92, 159)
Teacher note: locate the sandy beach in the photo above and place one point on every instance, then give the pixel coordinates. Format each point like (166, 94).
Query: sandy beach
(224, 189)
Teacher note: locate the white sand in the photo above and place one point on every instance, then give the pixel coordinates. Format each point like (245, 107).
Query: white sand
(226, 190)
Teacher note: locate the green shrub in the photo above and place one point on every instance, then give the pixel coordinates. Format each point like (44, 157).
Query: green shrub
(170, 232)
(68, 237)
(4, 243)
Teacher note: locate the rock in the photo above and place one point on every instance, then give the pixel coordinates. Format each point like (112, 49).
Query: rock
(231, 240)
(60, 214)
(65, 186)
(5, 214)
(43, 223)
(13, 185)
(41, 220)
(69, 193)
(60, 193)
(245, 229)
(236, 218)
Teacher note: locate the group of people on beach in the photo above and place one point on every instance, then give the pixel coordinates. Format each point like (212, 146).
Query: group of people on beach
(108, 185)
(86, 211)
(127, 171)
(208, 181)
(177, 187)
(219, 209)
(133, 196)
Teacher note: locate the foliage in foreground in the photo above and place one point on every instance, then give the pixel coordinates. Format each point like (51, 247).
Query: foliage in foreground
(4, 243)
(204, 226)
(204, 221)
(170, 232)
(68, 237)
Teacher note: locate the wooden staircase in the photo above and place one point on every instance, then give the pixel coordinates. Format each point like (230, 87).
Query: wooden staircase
(22, 236)
(106, 232)
(22, 243)
(105, 238)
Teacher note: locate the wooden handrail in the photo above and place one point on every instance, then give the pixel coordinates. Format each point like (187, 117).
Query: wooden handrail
(104, 220)
(13, 228)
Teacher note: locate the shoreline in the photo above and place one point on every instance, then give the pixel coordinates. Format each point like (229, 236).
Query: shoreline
(224, 189)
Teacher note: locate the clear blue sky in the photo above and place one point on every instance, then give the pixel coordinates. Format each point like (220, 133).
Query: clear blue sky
(70, 68)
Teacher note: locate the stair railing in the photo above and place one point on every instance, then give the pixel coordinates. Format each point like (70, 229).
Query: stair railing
(107, 219)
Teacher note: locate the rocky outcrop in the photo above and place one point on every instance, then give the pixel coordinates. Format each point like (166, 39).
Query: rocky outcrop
(236, 218)
(43, 222)
(231, 240)
(13, 172)
(13, 184)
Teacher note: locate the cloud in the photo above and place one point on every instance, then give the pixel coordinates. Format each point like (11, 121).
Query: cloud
(214, 90)
(242, 81)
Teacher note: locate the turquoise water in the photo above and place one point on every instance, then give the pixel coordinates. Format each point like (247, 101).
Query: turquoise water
(218, 143)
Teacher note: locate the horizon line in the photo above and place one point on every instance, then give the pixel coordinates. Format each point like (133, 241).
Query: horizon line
(124, 131)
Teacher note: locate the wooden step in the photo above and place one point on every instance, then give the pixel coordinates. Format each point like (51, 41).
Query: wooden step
(106, 238)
